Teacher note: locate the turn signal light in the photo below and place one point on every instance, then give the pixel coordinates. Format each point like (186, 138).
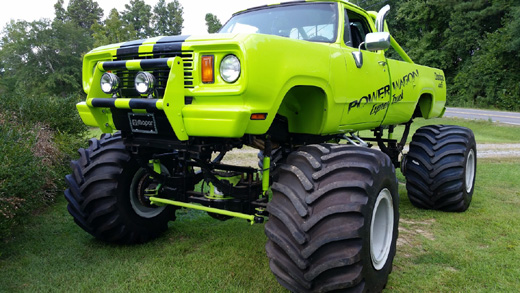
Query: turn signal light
(258, 116)
(208, 75)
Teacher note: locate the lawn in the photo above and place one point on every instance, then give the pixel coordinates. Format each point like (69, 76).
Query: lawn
(478, 250)
(485, 131)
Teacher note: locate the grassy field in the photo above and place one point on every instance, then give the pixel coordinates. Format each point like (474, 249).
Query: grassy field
(478, 250)
(485, 131)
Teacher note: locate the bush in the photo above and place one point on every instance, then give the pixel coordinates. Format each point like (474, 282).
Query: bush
(38, 137)
(58, 113)
(22, 172)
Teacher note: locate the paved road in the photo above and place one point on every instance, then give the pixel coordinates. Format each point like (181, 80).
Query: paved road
(496, 116)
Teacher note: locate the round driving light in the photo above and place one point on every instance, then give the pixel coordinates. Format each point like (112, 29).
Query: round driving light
(230, 68)
(144, 82)
(109, 83)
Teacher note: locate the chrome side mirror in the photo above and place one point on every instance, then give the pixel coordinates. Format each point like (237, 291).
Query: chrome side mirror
(380, 19)
(377, 41)
(373, 42)
(358, 56)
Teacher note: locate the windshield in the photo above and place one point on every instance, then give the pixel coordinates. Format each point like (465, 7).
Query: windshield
(315, 22)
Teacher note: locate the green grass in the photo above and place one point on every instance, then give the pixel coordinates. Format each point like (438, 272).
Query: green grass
(485, 131)
(478, 250)
(197, 254)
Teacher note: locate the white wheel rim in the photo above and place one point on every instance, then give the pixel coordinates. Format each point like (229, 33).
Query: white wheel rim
(470, 170)
(381, 229)
(139, 209)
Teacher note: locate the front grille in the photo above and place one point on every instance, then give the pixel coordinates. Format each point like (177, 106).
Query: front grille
(161, 75)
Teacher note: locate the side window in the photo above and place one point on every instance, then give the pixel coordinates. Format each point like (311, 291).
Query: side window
(357, 29)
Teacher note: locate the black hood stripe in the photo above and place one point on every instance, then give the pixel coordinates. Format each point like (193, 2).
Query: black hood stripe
(133, 43)
(170, 44)
(130, 51)
(172, 39)
(166, 48)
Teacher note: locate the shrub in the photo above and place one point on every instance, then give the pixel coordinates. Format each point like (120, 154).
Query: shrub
(58, 113)
(22, 172)
(38, 137)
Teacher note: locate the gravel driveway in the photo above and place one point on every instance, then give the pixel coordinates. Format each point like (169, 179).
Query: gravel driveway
(498, 150)
(248, 156)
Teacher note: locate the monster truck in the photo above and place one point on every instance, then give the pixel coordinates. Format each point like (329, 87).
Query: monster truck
(309, 84)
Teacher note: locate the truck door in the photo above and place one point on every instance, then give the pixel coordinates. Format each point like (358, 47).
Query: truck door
(367, 85)
(405, 90)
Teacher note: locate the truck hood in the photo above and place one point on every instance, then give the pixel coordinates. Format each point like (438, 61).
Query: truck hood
(167, 40)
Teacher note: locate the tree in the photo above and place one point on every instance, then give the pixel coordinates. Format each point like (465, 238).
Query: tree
(491, 77)
(112, 30)
(84, 13)
(40, 57)
(60, 12)
(138, 14)
(213, 23)
(167, 18)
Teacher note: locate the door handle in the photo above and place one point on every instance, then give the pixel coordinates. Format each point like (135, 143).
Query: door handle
(382, 63)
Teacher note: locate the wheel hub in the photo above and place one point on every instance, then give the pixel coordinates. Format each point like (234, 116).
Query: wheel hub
(139, 195)
(381, 229)
(470, 170)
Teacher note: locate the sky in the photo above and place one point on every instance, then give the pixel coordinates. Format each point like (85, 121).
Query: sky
(194, 10)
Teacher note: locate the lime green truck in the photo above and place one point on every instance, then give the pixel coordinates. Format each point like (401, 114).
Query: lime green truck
(310, 84)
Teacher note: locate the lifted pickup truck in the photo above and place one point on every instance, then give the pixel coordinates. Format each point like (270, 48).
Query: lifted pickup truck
(298, 81)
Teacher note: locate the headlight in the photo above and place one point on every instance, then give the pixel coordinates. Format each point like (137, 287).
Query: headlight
(144, 82)
(109, 83)
(230, 68)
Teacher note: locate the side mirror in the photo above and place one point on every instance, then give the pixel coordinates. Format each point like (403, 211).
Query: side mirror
(377, 41)
(380, 19)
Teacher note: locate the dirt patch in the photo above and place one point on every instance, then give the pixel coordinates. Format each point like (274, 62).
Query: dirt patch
(498, 150)
(245, 156)
(410, 231)
(44, 147)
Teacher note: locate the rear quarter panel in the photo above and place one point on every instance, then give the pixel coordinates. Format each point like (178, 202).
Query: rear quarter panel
(411, 83)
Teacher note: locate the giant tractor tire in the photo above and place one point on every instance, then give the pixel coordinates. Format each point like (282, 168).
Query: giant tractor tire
(106, 194)
(333, 220)
(440, 168)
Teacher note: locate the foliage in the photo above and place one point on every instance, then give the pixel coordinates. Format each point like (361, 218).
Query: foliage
(112, 30)
(43, 57)
(139, 14)
(83, 13)
(57, 113)
(138, 20)
(167, 18)
(492, 77)
(38, 136)
(213, 23)
(21, 173)
(32, 159)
